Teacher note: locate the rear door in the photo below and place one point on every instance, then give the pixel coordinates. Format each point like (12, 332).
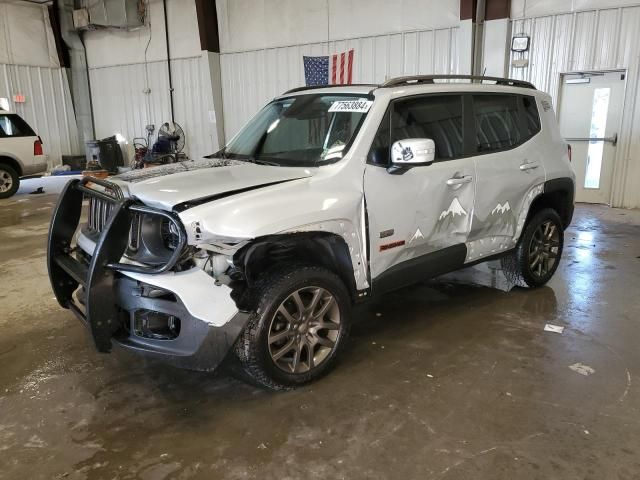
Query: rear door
(508, 169)
(419, 220)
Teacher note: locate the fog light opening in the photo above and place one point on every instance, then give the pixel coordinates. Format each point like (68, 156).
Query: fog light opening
(155, 325)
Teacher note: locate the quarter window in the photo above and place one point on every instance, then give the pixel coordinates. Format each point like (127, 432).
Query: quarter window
(497, 122)
(531, 116)
(13, 126)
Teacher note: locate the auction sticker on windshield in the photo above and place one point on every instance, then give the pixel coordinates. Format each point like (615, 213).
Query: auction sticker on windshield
(361, 106)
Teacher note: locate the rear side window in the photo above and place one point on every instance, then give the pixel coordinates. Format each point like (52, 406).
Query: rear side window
(13, 126)
(497, 122)
(531, 116)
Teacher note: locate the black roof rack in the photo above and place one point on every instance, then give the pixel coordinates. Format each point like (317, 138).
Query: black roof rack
(314, 87)
(418, 79)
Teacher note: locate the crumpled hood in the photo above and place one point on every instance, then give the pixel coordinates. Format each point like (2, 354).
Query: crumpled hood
(170, 188)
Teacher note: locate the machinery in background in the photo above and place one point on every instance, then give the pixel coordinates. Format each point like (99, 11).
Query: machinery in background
(168, 147)
(104, 155)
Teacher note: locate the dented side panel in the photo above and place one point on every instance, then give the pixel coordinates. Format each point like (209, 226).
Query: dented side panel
(332, 197)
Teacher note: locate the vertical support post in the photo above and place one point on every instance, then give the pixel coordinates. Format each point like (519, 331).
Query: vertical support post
(485, 33)
(207, 14)
(466, 36)
(166, 35)
(497, 38)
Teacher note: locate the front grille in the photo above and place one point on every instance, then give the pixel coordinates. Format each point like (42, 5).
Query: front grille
(99, 212)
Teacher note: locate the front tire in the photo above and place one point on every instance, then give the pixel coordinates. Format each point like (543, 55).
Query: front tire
(299, 325)
(536, 257)
(9, 181)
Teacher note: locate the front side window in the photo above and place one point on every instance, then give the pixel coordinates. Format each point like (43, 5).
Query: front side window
(305, 130)
(436, 117)
(497, 122)
(13, 126)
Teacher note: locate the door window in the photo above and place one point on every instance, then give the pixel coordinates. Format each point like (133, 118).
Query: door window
(599, 113)
(497, 122)
(436, 117)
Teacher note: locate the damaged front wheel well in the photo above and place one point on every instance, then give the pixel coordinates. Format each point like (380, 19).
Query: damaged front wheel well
(310, 248)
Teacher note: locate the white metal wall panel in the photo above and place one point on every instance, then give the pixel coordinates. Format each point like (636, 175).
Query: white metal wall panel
(252, 78)
(605, 39)
(121, 106)
(48, 107)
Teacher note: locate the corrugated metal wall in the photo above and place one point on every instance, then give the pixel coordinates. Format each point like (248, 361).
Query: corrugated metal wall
(48, 107)
(251, 78)
(121, 106)
(592, 40)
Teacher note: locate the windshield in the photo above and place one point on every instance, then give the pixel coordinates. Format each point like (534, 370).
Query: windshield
(305, 130)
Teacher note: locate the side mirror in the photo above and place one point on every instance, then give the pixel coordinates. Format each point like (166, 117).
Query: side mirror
(413, 152)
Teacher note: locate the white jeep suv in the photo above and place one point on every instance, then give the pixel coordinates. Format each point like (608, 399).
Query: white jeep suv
(327, 197)
(20, 152)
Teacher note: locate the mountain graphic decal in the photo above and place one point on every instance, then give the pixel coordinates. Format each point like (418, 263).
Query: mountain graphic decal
(454, 209)
(501, 221)
(501, 208)
(451, 222)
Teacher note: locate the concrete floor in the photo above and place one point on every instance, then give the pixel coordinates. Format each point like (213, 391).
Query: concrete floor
(452, 379)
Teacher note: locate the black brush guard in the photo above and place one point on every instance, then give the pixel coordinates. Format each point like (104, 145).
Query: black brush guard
(100, 315)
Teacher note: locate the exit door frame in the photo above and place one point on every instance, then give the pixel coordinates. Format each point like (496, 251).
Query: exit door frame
(616, 159)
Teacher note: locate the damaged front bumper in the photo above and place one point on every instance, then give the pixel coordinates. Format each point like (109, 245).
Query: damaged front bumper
(183, 318)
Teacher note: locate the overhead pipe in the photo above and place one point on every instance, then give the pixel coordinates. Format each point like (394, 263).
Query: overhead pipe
(80, 87)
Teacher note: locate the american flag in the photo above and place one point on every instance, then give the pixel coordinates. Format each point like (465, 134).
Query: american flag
(336, 69)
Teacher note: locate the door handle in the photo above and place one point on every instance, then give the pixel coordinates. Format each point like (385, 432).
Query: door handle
(529, 166)
(459, 180)
(612, 140)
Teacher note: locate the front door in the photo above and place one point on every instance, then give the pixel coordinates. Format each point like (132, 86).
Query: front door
(590, 113)
(427, 209)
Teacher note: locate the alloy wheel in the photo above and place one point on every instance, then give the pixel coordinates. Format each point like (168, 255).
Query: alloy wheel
(304, 330)
(6, 181)
(543, 249)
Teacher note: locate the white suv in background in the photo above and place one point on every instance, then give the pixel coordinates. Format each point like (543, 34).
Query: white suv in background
(20, 152)
(327, 197)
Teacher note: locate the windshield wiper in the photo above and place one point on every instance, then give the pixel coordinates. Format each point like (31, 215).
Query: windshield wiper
(219, 154)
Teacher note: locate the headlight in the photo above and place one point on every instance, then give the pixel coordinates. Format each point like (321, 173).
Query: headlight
(152, 239)
(169, 234)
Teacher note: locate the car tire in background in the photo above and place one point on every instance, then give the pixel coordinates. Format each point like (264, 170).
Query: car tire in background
(536, 257)
(9, 181)
(299, 325)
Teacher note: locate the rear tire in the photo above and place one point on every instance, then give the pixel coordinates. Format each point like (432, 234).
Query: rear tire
(536, 257)
(299, 325)
(9, 181)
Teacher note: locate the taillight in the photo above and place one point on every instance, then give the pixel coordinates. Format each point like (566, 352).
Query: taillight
(569, 151)
(37, 147)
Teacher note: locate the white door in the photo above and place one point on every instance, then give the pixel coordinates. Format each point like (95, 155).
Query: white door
(508, 166)
(424, 210)
(590, 113)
